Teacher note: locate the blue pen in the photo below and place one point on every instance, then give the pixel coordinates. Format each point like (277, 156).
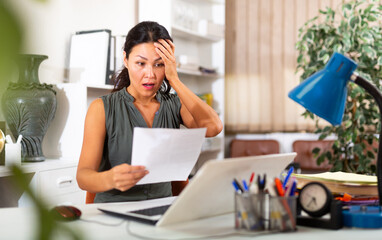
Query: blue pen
(293, 188)
(290, 171)
(238, 185)
(237, 189)
(245, 185)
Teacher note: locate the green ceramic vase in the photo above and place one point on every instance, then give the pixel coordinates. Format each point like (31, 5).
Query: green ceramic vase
(29, 107)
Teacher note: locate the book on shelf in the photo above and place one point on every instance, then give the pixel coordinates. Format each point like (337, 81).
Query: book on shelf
(341, 182)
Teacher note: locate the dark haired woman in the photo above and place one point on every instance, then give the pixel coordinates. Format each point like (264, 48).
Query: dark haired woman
(140, 98)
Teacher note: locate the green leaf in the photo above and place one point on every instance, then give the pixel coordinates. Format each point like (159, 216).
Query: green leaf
(348, 124)
(309, 36)
(320, 159)
(322, 136)
(379, 61)
(300, 58)
(370, 154)
(337, 47)
(362, 120)
(372, 18)
(11, 35)
(329, 155)
(369, 51)
(358, 149)
(316, 150)
(346, 8)
(368, 9)
(367, 37)
(347, 43)
(327, 129)
(354, 22)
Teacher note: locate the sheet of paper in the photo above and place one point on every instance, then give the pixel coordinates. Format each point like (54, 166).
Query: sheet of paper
(168, 154)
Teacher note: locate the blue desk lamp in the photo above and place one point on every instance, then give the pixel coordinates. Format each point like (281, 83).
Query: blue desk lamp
(324, 94)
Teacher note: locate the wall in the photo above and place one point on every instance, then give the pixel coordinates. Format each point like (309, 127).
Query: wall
(49, 24)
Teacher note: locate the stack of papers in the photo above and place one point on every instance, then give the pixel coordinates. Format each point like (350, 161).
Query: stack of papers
(341, 182)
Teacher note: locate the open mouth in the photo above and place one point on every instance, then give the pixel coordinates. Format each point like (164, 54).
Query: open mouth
(148, 85)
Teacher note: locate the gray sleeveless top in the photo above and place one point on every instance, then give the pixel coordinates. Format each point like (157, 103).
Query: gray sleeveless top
(121, 118)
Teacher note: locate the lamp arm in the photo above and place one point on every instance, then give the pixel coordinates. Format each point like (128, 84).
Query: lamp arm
(370, 88)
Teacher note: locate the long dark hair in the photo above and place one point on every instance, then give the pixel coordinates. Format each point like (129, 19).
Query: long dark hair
(143, 32)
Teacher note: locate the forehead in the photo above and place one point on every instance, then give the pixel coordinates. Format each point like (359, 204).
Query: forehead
(146, 50)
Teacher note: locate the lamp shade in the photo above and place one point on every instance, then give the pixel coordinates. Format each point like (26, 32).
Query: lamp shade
(324, 93)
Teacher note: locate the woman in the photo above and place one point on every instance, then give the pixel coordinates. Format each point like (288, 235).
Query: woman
(140, 98)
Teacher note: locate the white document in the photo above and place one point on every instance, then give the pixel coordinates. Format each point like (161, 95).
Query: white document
(168, 154)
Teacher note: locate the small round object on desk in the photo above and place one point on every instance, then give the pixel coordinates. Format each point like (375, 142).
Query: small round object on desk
(66, 213)
(315, 199)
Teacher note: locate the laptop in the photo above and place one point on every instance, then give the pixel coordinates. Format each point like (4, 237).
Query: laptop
(209, 193)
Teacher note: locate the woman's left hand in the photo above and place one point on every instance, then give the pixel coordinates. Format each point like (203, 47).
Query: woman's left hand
(166, 49)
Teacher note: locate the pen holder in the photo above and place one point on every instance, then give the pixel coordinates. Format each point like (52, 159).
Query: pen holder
(12, 154)
(257, 212)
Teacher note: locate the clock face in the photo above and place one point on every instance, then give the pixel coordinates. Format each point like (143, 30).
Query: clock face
(315, 199)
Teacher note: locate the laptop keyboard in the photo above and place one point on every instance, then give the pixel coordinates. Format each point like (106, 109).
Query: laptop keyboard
(152, 211)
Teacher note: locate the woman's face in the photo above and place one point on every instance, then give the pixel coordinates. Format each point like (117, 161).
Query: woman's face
(146, 70)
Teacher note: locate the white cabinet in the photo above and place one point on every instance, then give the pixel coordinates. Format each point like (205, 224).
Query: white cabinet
(197, 28)
(53, 181)
(59, 186)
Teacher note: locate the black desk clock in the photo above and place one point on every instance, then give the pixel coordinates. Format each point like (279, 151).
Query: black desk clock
(316, 200)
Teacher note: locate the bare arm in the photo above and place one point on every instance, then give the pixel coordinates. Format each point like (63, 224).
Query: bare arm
(195, 113)
(121, 177)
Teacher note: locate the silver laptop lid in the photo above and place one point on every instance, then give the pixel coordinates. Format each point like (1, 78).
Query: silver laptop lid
(210, 191)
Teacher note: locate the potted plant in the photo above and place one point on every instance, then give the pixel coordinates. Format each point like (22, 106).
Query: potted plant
(355, 30)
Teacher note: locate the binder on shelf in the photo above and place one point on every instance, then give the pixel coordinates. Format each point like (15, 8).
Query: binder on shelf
(90, 54)
(119, 46)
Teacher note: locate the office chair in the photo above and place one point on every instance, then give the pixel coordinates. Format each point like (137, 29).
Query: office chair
(241, 148)
(305, 159)
(177, 187)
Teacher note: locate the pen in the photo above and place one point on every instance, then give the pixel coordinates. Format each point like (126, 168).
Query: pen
(237, 189)
(279, 187)
(238, 185)
(290, 171)
(251, 178)
(245, 185)
(288, 188)
(293, 188)
(261, 182)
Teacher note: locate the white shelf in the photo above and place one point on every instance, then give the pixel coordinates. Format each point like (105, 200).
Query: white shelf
(31, 167)
(181, 32)
(105, 86)
(198, 73)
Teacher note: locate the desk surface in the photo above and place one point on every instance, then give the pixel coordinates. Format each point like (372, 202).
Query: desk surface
(19, 223)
